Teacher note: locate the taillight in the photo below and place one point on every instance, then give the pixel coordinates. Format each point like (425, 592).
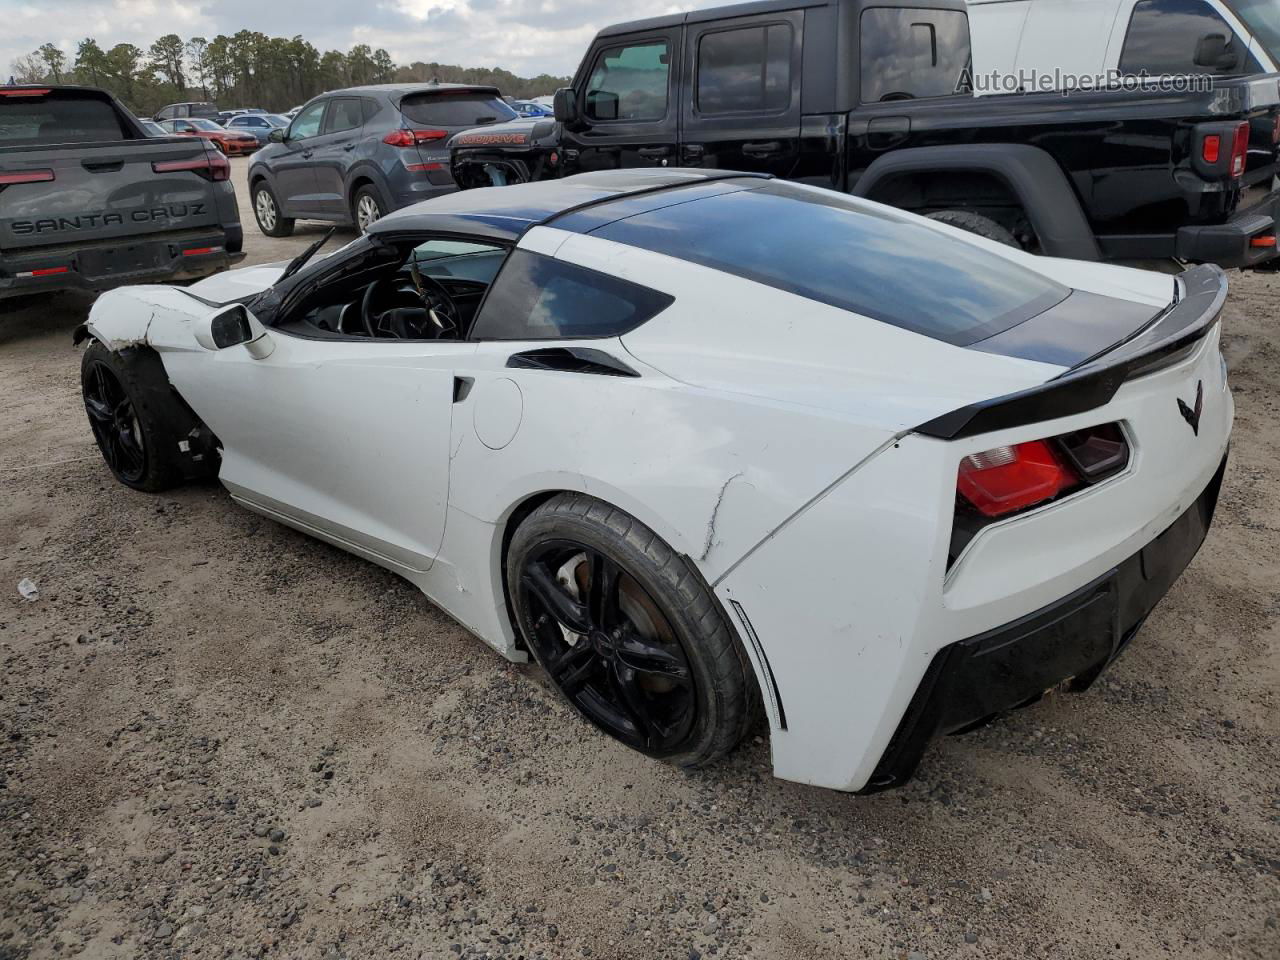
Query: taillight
(212, 166)
(1239, 149)
(1210, 148)
(1007, 479)
(25, 92)
(410, 138)
(25, 176)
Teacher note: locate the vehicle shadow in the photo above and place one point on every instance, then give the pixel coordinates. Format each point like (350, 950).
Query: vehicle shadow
(39, 316)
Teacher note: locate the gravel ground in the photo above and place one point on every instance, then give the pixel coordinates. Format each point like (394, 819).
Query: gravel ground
(221, 739)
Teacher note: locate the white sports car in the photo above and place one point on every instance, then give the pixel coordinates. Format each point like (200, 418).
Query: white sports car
(700, 440)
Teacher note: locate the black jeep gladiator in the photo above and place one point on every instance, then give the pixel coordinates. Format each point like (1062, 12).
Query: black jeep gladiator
(874, 97)
(88, 201)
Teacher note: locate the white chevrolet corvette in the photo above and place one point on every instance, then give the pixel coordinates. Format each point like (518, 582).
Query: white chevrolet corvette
(700, 440)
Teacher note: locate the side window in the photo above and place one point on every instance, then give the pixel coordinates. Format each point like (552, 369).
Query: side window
(370, 109)
(307, 123)
(910, 54)
(181, 126)
(540, 298)
(344, 114)
(166, 114)
(1174, 37)
(747, 70)
(629, 83)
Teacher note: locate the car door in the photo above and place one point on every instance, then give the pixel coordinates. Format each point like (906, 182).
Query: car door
(343, 436)
(741, 107)
(628, 104)
(293, 174)
(333, 150)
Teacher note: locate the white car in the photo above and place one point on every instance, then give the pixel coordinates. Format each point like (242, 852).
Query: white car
(698, 440)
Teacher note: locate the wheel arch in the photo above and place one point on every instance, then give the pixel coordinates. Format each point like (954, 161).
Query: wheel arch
(363, 174)
(522, 508)
(1026, 173)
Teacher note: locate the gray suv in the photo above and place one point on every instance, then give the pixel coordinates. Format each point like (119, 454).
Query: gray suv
(353, 155)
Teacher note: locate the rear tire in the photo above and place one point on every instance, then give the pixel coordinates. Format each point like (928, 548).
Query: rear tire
(123, 395)
(654, 664)
(266, 210)
(976, 223)
(366, 208)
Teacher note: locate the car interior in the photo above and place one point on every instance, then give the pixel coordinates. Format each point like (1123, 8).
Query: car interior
(401, 291)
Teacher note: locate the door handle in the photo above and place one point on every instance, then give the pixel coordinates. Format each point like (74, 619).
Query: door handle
(306, 154)
(762, 149)
(349, 147)
(650, 152)
(571, 360)
(693, 151)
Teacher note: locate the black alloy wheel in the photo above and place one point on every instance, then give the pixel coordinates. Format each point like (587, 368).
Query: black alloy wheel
(114, 423)
(608, 647)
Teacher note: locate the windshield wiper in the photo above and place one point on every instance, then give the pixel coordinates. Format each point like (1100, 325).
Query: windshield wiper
(300, 261)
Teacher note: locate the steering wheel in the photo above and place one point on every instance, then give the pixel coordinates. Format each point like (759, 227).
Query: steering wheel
(433, 316)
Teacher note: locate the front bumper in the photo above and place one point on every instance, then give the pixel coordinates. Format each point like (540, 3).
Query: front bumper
(1230, 244)
(1073, 639)
(163, 258)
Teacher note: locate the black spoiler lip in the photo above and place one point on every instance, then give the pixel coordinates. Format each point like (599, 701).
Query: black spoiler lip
(1094, 382)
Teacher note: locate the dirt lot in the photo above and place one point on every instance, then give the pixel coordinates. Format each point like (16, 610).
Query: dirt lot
(221, 739)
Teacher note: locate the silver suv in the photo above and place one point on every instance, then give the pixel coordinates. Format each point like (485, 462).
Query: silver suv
(353, 155)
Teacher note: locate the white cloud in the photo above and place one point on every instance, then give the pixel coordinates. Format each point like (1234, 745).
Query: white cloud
(524, 36)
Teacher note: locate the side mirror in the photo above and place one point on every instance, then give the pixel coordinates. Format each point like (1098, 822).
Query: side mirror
(276, 135)
(565, 107)
(232, 326)
(602, 105)
(1214, 50)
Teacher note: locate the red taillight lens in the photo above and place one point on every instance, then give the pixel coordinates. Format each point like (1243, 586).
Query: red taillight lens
(409, 138)
(25, 176)
(1239, 149)
(212, 166)
(1210, 147)
(28, 92)
(1005, 479)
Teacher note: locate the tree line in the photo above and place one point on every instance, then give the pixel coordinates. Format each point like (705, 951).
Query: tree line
(247, 69)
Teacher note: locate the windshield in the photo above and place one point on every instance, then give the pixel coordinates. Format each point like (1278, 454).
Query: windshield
(206, 125)
(465, 108)
(1262, 17)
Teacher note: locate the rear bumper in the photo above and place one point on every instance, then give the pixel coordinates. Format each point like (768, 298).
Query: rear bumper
(181, 255)
(1230, 244)
(1074, 638)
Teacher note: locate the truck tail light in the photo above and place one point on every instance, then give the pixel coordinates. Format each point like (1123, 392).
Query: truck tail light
(25, 176)
(213, 165)
(409, 138)
(1239, 149)
(1004, 480)
(1210, 148)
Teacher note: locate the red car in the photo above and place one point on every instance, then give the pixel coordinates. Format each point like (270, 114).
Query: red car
(229, 142)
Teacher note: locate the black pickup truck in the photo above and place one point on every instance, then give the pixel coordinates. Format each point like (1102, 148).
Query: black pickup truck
(88, 201)
(874, 97)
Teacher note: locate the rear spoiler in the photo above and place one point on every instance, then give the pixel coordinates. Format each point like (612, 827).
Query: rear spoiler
(1094, 382)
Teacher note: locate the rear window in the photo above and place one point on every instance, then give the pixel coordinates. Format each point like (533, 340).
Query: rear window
(58, 119)
(540, 298)
(913, 54)
(835, 250)
(465, 109)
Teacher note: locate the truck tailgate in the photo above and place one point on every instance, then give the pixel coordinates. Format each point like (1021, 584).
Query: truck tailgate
(95, 192)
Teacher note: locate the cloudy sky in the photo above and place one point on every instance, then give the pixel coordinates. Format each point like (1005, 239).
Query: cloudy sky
(525, 36)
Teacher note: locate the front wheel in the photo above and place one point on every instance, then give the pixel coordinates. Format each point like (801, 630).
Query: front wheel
(122, 390)
(628, 631)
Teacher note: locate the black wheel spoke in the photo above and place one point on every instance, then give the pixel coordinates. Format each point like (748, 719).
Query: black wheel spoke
(602, 595)
(566, 610)
(98, 410)
(647, 657)
(631, 699)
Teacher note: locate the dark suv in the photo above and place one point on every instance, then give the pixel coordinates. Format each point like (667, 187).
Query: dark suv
(353, 155)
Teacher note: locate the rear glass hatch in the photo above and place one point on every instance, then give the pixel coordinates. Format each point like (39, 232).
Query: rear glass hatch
(448, 111)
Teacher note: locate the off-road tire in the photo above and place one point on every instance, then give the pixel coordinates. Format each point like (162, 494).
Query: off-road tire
(976, 223)
(726, 696)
